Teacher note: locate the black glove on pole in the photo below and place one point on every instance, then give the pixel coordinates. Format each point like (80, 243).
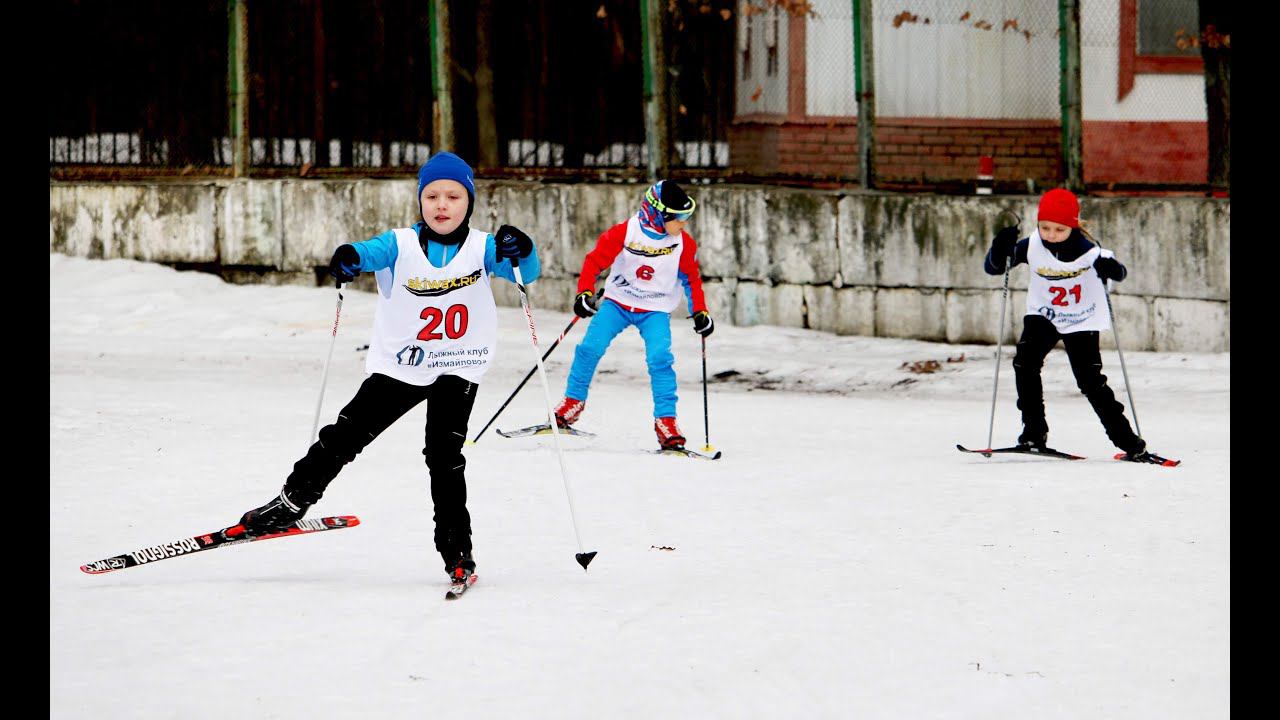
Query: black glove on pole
(582, 305)
(345, 263)
(1109, 269)
(703, 324)
(512, 243)
(1003, 244)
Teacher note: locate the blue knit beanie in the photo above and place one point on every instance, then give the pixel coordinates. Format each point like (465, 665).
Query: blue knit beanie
(446, 166)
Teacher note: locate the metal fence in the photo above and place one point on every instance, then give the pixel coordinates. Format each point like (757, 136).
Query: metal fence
(972, 59)
(566, 82)
(139, 84)
(699, 37)
(143, 86)
(561, 84)
(740, 89)
(337, 84)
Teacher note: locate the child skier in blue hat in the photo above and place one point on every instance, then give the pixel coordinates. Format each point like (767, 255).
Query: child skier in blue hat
(434, 335)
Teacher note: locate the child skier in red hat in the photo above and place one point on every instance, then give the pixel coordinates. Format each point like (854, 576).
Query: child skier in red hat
(1067, 301)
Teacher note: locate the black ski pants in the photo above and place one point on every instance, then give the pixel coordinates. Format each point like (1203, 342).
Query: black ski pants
(380, 401)
(1039, 336)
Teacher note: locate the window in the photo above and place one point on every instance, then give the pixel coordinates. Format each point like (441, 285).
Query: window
(771, 43)
(1156, 37)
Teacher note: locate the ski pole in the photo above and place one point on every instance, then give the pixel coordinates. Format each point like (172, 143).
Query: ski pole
(1128, 389)
(706, 418)
(584, 558)
(315, 424)
(532, 370)
(1004, 300)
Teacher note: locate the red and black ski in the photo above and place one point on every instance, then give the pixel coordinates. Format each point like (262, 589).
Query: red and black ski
(1150, 458)
(460, 585)
(1024, 450)
(233, 535)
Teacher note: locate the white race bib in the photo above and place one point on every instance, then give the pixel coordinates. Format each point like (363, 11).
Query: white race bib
(1068, 294)
(434, 321)
(645, 274)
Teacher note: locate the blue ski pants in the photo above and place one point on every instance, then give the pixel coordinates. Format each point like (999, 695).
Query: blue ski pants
(655, 329)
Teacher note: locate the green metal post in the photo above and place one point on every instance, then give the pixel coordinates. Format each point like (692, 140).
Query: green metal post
(1069, 93)
(441, 89)
(238, 85)
(864, 89)
(655, 98)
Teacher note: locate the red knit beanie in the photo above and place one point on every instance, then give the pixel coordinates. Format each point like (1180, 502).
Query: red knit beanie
(1060, 206)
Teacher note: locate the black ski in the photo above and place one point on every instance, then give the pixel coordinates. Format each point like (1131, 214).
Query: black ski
(688, 453)
(543, 429)
(1024, 450)
(233, 535)
(1151, 458)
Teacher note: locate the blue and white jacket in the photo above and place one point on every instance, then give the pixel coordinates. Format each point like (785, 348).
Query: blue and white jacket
(379, 253)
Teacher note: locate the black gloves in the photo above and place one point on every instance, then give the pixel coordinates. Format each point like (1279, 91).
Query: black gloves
(345, 264)
(512, 242)
(1109, 269)
(1002, 246)
(582, 305)
(703, 324)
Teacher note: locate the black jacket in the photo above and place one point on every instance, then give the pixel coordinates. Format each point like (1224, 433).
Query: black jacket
(1068, 250)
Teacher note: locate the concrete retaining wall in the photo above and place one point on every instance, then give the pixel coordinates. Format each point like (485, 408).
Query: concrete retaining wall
(889, 265)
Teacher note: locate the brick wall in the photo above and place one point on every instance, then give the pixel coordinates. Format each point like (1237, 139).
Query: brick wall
(1172, 152)
(931, 151)
(925, 151)
(908, 150)
(753, 148)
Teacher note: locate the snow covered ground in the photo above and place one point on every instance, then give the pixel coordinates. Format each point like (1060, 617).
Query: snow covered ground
(842, 560)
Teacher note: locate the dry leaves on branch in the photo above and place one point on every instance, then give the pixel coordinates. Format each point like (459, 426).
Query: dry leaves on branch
(1210, 37)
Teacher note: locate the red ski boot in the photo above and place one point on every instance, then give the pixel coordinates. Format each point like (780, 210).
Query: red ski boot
(669, 436)
(568, 411)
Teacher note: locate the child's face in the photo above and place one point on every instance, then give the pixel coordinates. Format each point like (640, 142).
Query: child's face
(675, 227)
(444, 205)
(1052, 232)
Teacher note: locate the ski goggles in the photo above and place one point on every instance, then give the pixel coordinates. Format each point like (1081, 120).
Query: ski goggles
(667, 213)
